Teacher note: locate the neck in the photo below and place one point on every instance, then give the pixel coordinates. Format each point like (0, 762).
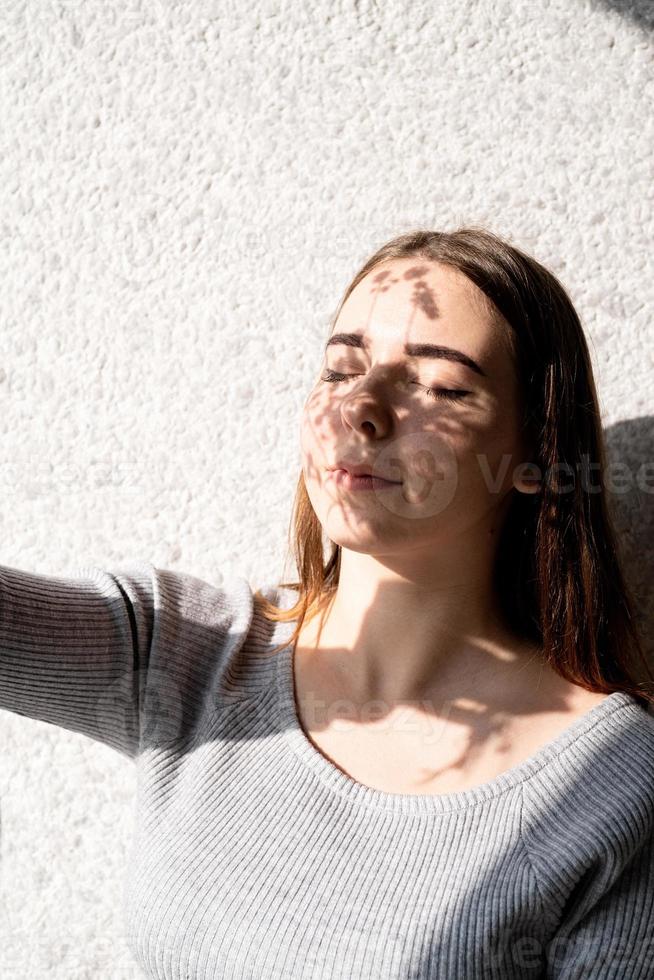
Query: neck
(396, 635)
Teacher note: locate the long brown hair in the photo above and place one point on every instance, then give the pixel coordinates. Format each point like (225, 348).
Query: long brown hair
(558, 567)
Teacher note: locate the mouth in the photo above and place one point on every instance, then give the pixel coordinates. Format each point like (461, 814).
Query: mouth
(347, 480)
(361, 469)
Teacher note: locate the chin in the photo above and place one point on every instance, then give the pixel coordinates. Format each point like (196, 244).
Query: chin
(364, 536)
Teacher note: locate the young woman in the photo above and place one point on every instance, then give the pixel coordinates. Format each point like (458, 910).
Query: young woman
(430, 757)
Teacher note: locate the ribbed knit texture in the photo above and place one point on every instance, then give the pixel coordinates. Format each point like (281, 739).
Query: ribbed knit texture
(255, 857)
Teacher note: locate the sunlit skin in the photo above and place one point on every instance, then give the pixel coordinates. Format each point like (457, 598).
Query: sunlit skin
(415, 616)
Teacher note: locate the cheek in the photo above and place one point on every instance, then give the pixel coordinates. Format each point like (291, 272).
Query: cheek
(487, 456)
(314, 445)
(308, 434)
(318, 423)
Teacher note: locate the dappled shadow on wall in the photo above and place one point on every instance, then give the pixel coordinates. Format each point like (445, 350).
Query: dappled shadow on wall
(630, 449)
(639, 11)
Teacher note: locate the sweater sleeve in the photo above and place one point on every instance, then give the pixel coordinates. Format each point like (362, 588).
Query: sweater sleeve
(75, 650)
(611, 935)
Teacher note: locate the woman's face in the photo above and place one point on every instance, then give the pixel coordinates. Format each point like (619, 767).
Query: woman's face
(451, 452)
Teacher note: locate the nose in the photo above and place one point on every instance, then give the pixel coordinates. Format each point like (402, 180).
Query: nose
(364, 411)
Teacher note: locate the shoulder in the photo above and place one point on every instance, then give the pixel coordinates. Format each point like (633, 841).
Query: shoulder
(599, 784)
(209, 636)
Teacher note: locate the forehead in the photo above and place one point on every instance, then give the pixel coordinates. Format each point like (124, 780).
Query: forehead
(420, 301)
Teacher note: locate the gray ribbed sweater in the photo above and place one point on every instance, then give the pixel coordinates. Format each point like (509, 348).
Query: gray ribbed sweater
(254, 856)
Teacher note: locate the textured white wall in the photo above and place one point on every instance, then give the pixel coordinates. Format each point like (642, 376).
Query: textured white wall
(186, 189)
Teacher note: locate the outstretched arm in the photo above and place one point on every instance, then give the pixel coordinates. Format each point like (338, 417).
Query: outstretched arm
(74, 651)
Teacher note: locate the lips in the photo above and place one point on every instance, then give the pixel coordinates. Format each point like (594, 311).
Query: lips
(355, 469)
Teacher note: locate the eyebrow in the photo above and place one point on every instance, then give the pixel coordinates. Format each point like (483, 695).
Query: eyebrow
(411, 350)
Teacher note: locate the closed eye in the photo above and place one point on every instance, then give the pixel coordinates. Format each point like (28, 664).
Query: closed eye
(454, 394)
(451, 394)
